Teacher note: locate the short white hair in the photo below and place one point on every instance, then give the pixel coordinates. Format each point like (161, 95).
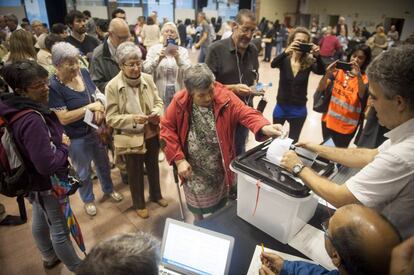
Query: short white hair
(127, 50)
(174, 27)
(62, 51)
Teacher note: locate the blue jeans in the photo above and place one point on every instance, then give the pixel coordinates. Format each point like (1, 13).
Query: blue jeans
(189, 41)
(240, 139)
(279, 46)
(202, 55)
(268, 51)
(52, 239)
(82, 151)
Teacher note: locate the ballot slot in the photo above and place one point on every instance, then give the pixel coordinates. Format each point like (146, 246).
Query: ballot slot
(256, 164)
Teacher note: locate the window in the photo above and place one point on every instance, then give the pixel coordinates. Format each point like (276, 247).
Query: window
(10, 3)
(90, 3)
(184, 4)
(228, 10)
(36, 10)
(164, 8)
(128, 3)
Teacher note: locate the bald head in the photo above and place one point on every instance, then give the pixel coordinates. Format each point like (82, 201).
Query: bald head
(363, 239)
(118, 31)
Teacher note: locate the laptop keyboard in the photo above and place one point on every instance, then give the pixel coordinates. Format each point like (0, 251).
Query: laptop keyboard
(344, 173)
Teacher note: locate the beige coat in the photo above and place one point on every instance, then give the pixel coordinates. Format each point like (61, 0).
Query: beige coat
(116, 114)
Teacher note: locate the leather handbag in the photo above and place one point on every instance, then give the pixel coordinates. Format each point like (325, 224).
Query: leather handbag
(321, 99)
(105, 133)
(129, 144)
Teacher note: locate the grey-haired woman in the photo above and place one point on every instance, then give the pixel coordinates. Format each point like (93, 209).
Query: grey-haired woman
(167, 62)
(76, 101)
(198, 131)
(133, 110)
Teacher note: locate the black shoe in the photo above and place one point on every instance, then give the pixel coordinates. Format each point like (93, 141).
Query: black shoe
(124, 178)
(52, 264)
(12, 220)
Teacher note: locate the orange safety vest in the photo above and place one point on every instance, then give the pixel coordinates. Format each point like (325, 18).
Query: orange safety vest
(345, 108)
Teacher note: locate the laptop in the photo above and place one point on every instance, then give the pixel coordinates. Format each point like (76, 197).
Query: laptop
(188, 249)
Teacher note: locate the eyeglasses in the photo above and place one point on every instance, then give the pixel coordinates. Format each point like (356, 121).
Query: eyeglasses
(133, 65)
(245, 30)
(72, 64)
(325, 226)
(39, 85)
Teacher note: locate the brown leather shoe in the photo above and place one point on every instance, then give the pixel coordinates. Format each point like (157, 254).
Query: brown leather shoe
(143, 213)
(162, 202)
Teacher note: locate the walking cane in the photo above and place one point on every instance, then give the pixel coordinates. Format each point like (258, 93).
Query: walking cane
(177, 184)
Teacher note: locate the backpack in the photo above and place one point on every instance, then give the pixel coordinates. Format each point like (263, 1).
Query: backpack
(14, 176)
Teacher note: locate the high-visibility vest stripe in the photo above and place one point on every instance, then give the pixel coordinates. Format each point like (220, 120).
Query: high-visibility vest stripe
(342, 118)
(345, 108)
(345, 105)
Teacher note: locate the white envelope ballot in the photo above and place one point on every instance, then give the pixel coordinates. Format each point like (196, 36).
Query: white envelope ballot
(277, 149)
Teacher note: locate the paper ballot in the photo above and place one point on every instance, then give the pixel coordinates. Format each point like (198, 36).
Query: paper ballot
(255, 264)
(88, 119)
(277, 149)
(311, 242)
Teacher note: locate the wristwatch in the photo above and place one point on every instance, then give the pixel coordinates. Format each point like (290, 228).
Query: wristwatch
(297, 168)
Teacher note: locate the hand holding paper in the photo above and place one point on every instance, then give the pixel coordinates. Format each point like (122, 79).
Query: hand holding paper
(274, 130)
(277, 149)
(88, 119)
(290, 159)
(256, 263)
(273, 261)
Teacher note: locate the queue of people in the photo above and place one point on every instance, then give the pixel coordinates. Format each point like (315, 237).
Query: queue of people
(200, 116)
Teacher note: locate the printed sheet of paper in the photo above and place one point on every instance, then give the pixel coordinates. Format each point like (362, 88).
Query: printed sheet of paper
(277, 149)
(255, 264)
(325, 203)
(311, 242)
(88, 119)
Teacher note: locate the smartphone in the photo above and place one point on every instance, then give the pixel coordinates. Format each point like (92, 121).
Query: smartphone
(171, 41)
(305, 47)
(344, 66)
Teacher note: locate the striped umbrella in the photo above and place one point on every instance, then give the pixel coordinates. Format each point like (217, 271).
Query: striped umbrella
(61, 190)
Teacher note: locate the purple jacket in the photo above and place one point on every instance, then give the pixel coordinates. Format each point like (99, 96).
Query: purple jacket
(32, 139)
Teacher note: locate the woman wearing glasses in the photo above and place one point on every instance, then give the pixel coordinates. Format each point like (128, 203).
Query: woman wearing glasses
(167, 62)
(74, 97)
(38, 136)
(133, 110)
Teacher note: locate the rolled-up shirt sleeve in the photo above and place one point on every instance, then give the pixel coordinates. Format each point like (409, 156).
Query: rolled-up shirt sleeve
(380, 182)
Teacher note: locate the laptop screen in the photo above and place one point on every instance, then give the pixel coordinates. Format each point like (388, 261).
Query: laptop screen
(189, 248)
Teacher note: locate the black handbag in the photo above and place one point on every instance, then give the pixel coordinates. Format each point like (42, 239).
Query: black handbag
(321, 99)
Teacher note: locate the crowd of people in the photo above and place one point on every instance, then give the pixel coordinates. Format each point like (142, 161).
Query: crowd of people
(91, 88)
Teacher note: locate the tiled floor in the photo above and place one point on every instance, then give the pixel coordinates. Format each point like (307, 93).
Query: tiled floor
(19, 255)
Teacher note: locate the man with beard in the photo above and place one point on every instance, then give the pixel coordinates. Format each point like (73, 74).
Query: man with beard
(234, 62)
(85, 43)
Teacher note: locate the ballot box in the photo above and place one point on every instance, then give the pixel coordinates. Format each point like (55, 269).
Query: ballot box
(271, 198)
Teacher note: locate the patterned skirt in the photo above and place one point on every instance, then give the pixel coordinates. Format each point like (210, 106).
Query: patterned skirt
(206, 202)
(207, 190)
